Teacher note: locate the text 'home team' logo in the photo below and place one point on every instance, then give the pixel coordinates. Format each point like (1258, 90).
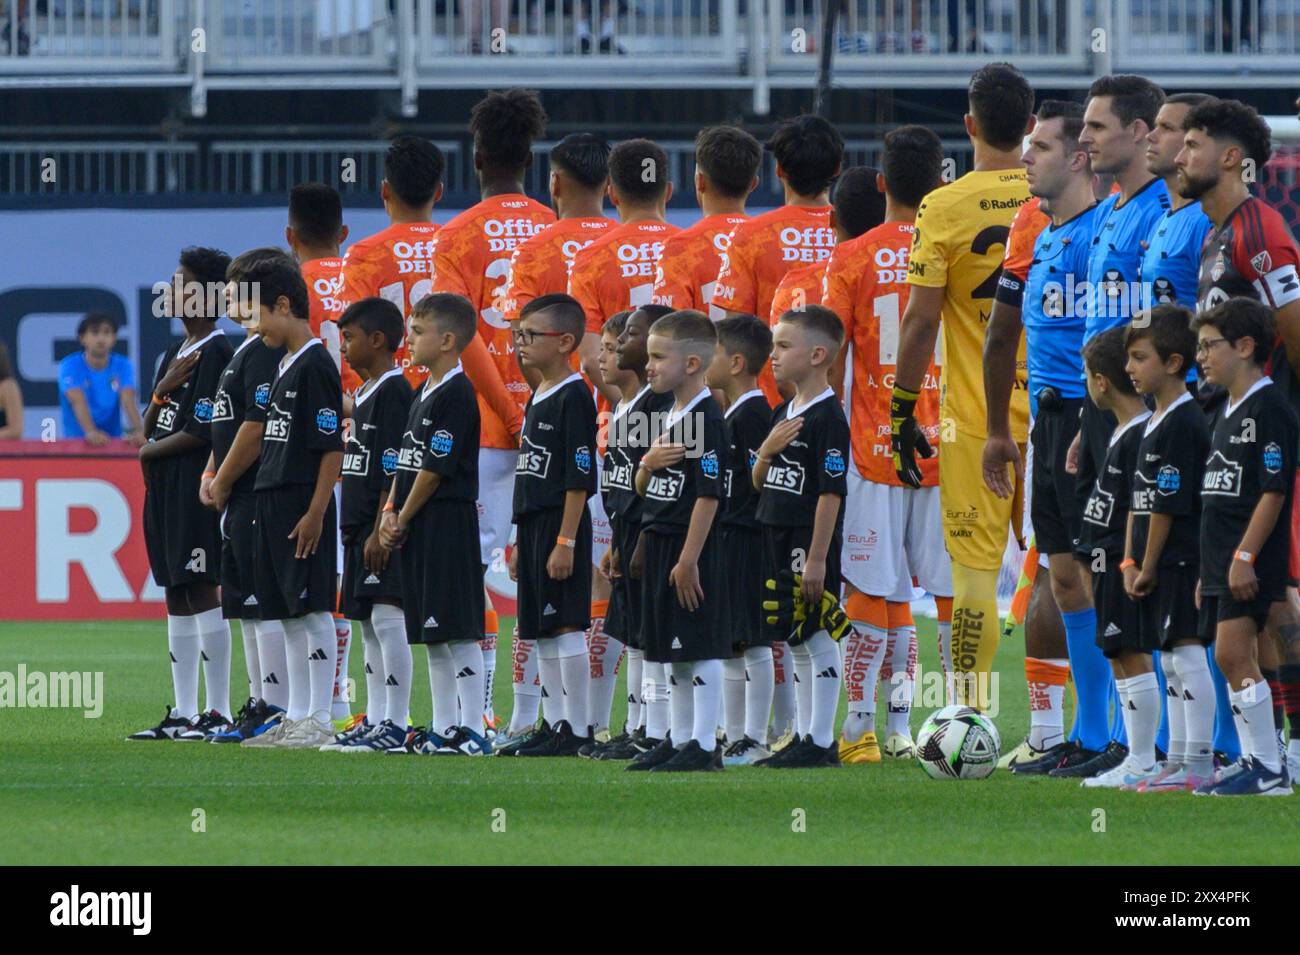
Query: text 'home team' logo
(834, 463)
(440, 443)
(203, 410)
(1168, 480)
(327, 420)
(709, 464)
(262, 395)
(582, 459)
(1272, 458)
(389, 460)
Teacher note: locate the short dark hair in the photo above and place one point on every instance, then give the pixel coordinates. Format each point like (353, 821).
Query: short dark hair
(504, 124)
(1169, 329)
(564, 312)
(747, 336)
(450, 313)
(376, 314)
(316, 212)
(687, 327)
(629, 162)
(1188, 99)
(238, 268)
(584, 158)
(1238, 318)
(276, 277)
(1132, 97)
(654, 310)
(809, 150)
(1071, 115)
(1104, 355)
(413, 167)
(1001, 101)
(859, 205)
(912, 163)
(615, 324)
(92, 320)
(729, 158)
(205, 265)
(1233, 119)
(819, 319)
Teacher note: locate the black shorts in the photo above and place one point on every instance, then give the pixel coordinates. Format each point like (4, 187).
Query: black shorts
(742, 580)
(671, 633)
(623, 619)
(1055, 510)
(360, 588)
(286, 586)
(546, 607)
(1095, 428)
(1119, 623)
(1218, 607)
(238, 549)
(442, 574)
(1168, 614)
(786, 548)
(181, 536)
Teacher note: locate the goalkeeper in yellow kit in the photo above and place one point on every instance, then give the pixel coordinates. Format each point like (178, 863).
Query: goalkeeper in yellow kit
(956, 257)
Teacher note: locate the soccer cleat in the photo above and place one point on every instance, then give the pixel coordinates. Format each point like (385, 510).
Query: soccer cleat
(1174, 778)
(349, 737)
(465, 742)
(865, 750)
(1110, 757)
(529, 737)
(310, 733)
(745, 752)
(1254, 779)
(563, 741)
(899, 746)
(1122, 776)
(349, 723)
(1059, 755)
(1026, 752)
(384, 737)
(621, 750)
(691, 758)
(205, 726)
(591, 750)
(648, 760)
(250, 716)
(271, 735)
(170, 727)
(805, 754)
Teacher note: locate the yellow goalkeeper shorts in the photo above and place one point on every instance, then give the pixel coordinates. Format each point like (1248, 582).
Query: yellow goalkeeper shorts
(975, 520)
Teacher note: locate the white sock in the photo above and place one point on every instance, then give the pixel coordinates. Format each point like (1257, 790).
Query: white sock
(373, 661)
(783, 695)
(1142, 709)
(1198, 702)
(603, 655)
(295, 652)
(396, 665)
(442, 685)
(1252, 711)
(1174, 755)
(802, 666)
(1047, 709)
(945, 660)
(214, 651)
(635, 710)
(525, 683)
(759, 686)
(552, 675)
(488, 646)
(340, 705)
(467, 658)
(248, 633)
(864, 652)
(901, 684)
(322, 661)
(273, 663)
(681, 702)
(654, 691)
(706, 695)
(575, 671)
(824, 668)
(733, 698)
(183, 647)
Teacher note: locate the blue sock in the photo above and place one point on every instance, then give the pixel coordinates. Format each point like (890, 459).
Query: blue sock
(1092, 679)
(1225, 730)
(1162, 734)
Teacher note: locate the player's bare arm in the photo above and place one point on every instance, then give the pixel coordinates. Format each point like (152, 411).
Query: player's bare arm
(178, 372)
(244, 450)
(1157, 535)
(814, 568)
(1241, 573)
(777, 440)
(661, 454)
(426, 483)
(559, 566)
(1000, 345)
(685, 575)
(486, 378)
(307, 532)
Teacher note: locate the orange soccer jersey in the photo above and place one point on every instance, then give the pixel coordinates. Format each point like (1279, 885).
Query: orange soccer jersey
(540, 266)
(866, 286)
(472, 258)
(688, 269)
(324, 283)
(764, 248)
(797, 289)
(617, 271)
(1030, 220)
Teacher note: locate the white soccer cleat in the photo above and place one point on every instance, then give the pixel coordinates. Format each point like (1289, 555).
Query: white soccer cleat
(272, 736)
(899, 746)
(310, 733)
(1122, 776)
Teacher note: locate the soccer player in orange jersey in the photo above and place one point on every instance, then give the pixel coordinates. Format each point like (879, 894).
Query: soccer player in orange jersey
(472, 258)
(726, 172)
(891, 532)
(315, 233)
(808, 152)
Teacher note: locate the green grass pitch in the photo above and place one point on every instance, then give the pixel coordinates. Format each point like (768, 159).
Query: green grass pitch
(73, 792)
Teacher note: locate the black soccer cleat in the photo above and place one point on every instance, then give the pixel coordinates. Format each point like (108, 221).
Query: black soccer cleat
(561, 741)
(805, 754)
(691, 758)
(663, 751)
(1052, 757)
(250, 716)
(534, 736)
(168, 729)
(629, 748)
(1110, 757)
(592, 749)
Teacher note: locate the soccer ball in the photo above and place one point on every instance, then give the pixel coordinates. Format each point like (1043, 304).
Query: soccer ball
(958, 742)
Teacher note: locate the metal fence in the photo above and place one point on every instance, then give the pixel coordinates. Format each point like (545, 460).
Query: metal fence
(1228, 32)
(244, 168)
(96, 168)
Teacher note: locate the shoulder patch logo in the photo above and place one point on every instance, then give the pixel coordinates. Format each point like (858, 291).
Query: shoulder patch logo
(1272, 457)
(327, 421)
(262, 395)
(389, 460)
(1262, 263)
(1168, 480)
(440, 443)
(834, 463)
(709, 464)
(203, 410)
(582, 459)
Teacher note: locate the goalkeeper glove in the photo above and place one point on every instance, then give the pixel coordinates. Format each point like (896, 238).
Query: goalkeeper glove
(784, 608)
(906, 437)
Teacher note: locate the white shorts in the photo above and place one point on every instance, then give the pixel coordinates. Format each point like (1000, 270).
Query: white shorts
(600, 531)
(496, 495)
(892, 534)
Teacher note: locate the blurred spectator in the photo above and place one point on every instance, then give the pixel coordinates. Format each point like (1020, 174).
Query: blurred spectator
(97, 385)
(11, 400)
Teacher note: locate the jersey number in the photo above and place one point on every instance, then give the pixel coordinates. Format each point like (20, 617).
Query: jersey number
(396, 291)
(985, 240)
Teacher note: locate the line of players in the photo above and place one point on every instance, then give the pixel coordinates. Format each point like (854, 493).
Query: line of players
(732, 265)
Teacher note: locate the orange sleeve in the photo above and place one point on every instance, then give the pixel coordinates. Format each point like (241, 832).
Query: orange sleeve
(485, 377)
(737, 288)
(1029, 221)
(522, 289)
(583, 286)
(356, 279)
(839, 290)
